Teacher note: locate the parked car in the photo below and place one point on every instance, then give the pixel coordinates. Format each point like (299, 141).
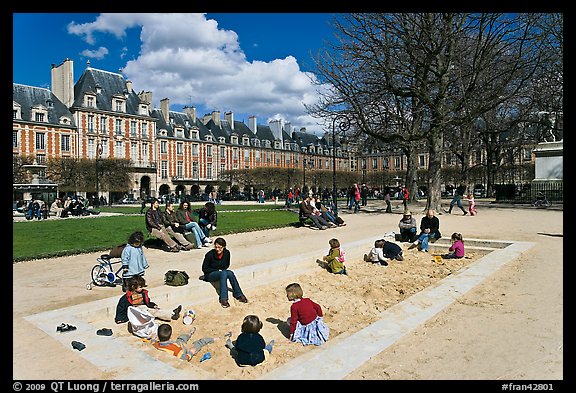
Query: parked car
(129, 200)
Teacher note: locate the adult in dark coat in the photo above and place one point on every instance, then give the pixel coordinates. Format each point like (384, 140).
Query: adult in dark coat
(429, 229)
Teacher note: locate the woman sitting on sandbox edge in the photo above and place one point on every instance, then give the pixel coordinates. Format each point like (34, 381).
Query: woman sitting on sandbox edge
(215, 268)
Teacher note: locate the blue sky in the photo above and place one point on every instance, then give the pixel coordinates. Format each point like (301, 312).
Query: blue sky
(248, 63)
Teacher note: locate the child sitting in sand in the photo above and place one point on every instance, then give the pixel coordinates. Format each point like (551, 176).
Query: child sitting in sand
(178, 348)
(250, 348)
(335, 258)
(306, 319)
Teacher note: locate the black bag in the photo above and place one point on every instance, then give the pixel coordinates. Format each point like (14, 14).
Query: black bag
(339, 221)
(176, 278)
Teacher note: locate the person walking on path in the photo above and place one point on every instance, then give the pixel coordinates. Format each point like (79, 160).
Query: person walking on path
(472, 205)
(405, 194)
(457, 199)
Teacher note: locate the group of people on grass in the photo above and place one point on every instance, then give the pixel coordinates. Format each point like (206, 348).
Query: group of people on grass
(172, 226)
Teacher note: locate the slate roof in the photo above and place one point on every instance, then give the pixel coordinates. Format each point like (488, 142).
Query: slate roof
(29, 96)
(110, 84)
(179, 119)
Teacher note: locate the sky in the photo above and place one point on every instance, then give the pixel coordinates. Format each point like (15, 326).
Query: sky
(252, 64)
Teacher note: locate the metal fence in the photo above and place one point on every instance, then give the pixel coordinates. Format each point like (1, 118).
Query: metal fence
(553, 190)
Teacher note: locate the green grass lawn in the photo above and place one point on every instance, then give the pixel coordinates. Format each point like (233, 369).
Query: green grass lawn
(51, 238)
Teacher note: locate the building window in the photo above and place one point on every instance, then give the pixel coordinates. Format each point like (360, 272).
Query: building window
(235, 153)
(179, 170)
(119, 106)
(246, 154)
(118, 126)
(40, 141)
(90, 102)
(119, 149)
(397, 162)
(65, 143)
(386, 163)
(222, 152)
(14, 138)
(195, 170)
(164, 170)
(133, 151)
(195, 135)
(209, 151)
(163, 147)
(90, 123)
(209, 170)
(103, 125)
(144, 129)
(222, 167)
(257, 155)
(527, 154)
(41, 159)
(374, 163)
(421, 160)
(145, 153)
(133, 129)
(195, 149)
(14, 113)
(179, 148)
(39, 117)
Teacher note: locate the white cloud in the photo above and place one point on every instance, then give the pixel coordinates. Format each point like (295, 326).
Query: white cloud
(95, 54)
(189, 59)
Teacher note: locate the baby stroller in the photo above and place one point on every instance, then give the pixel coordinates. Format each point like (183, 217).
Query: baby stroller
(103, 274)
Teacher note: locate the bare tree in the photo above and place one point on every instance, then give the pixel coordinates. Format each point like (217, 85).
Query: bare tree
(405, 78)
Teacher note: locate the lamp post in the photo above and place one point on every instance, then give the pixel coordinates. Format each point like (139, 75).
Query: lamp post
(343, 125)
(98, 155)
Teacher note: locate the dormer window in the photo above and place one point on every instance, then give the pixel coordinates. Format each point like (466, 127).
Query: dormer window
(16, 110)
(98, 89)
(245, 141)
(90, 101)
(276, 145)
(267, 144)
(257, 143)
(234, 140)
(119, 103)
(195, 134)
(143, 109)
(179, 133)
(65, 120)
(39, 113)
(221, 139)
(208, 138)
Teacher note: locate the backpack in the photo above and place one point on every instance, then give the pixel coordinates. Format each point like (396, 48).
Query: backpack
(176, 278)
(116, 252)
(342, 257)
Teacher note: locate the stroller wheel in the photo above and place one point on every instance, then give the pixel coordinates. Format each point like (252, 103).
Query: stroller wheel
(88, 286)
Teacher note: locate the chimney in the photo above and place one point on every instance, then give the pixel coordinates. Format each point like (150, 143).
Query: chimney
(229, 117)
(206, 118)
(165, 108)
(252, 124)
(191, 111)
(145, 97)
(129, 86)
(216, 117)
(276, 128)
(63, 82)
(288, 128)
